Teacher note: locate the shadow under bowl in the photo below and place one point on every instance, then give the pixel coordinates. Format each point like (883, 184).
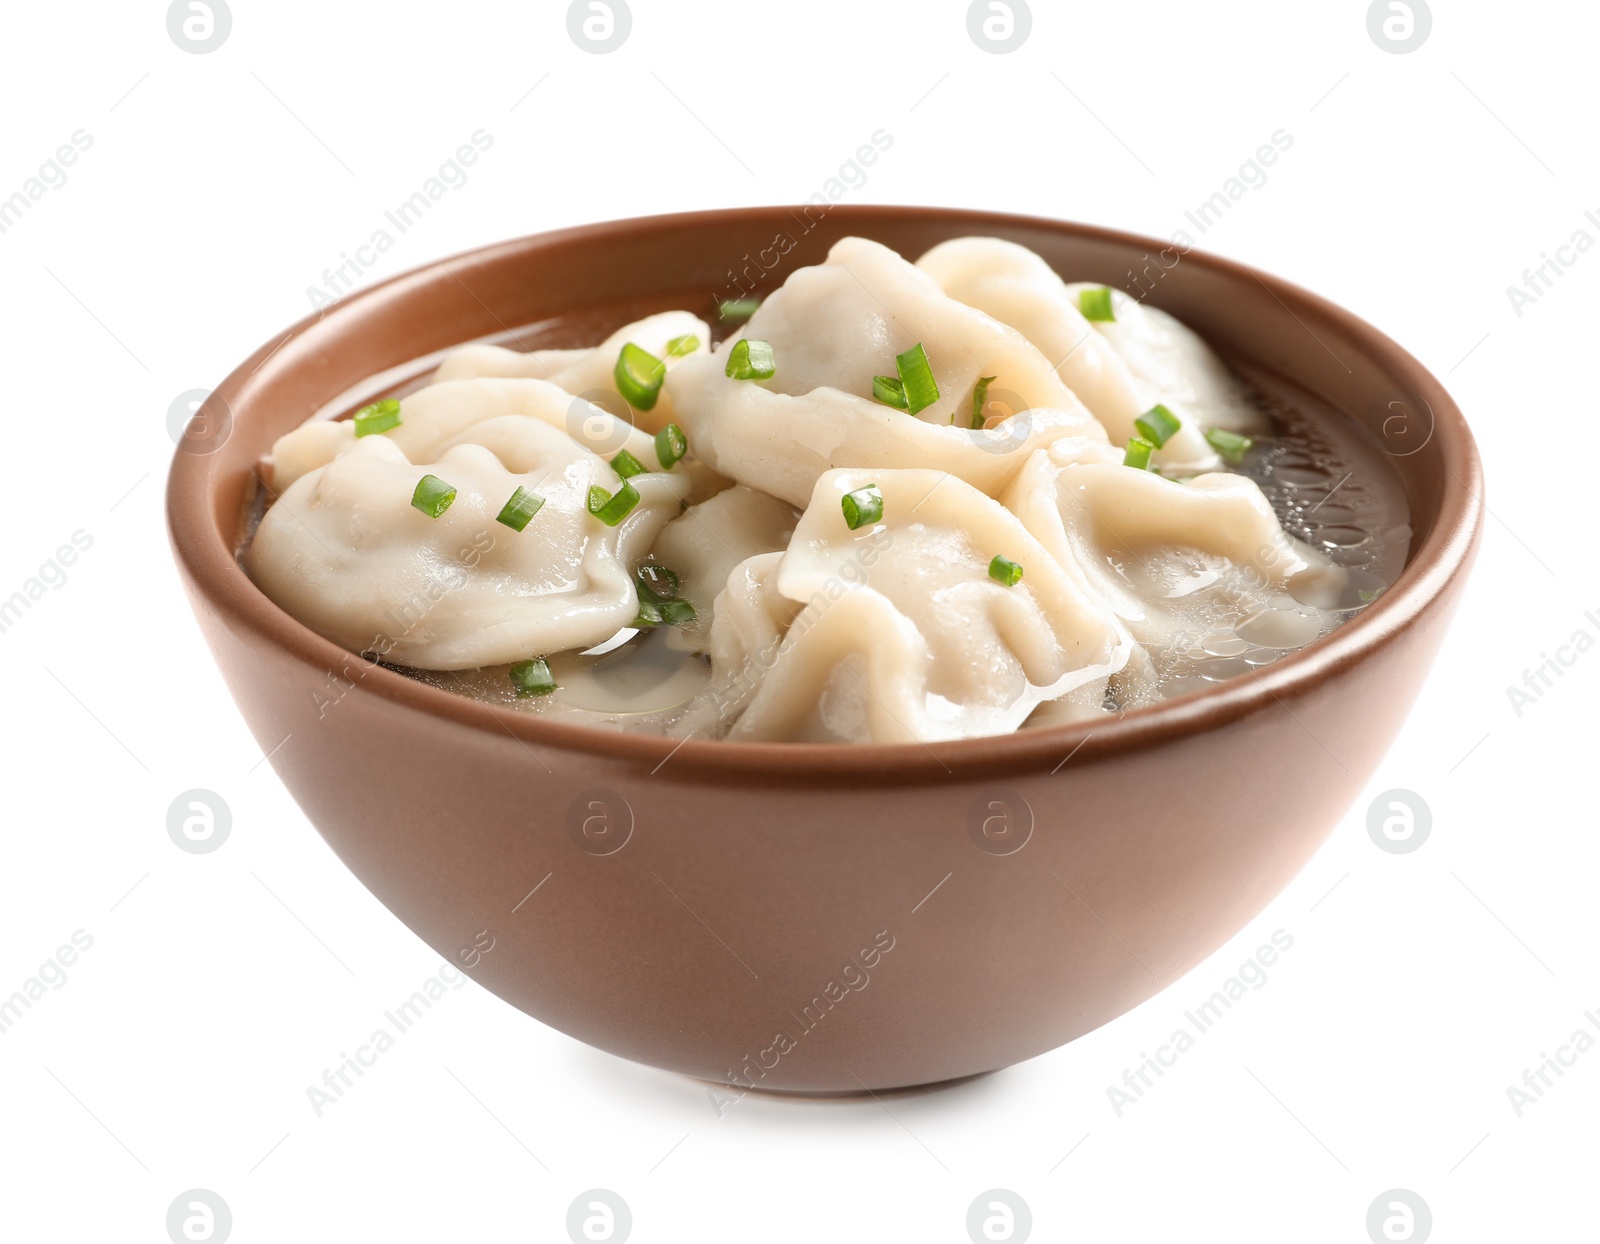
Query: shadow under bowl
(822, 919)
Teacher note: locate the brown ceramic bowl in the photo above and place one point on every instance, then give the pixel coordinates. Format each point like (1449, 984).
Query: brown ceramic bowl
(804, 917)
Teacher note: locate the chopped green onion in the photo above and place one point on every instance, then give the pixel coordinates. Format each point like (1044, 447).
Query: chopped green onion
(1230, 445)
(1158, 425)
(678, 347)
(676, 612)
(889, 391)
(671, 445)
(862, 507)
(916, 377)
(656, 581)
(532, 677)
(1138, 454)
(1096, 304)
(649, 615)
(519, 511)
(379, 417)
(639, 375)
(432, 496)
(980, 398)
(751, 360)
(612, 507)
(626, 465)
(1004, 570)
(737, 310)
(1366, 597)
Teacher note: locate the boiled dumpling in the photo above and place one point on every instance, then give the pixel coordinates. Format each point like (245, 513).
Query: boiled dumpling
(704, 544)
(832, 328)
(1182, 565)
(1172, 365)
(1019, 288)
(345, 551)
(904, 635)
(590, 374)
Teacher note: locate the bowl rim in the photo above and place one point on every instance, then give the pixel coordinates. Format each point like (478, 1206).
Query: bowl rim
(206, 554)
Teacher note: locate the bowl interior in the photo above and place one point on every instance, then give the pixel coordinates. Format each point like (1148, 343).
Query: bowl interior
(569, 288)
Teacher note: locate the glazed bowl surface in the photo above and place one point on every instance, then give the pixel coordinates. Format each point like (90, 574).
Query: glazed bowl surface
(804, 917)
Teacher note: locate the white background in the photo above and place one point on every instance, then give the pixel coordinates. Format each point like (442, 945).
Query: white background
(218, 187)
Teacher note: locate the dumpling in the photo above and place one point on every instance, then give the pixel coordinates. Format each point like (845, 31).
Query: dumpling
(704, 544)
(1171, 364)
(345, 551)
(1019, 288)
(434, 416)
(832, 328)
(903, 634)
(1197, 571)
(588, 373)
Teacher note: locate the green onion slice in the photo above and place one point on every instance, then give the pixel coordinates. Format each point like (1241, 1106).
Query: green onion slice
(916, 377)
(379, 417)
(532, 677)
(432, 496)
(1138, 454)
(639, 375)
(1158, 425)
(751, 360)
(737, 310)
(626, 465)
(680, 346)
(1004, 570)
(862, 507)
(1230, 445)
(671, 445)
(980, 397)
(1096, 304)
(656, 582)
(889, 391)
(518, 512)
(612, 507)
(676, 612)
(649, 615)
